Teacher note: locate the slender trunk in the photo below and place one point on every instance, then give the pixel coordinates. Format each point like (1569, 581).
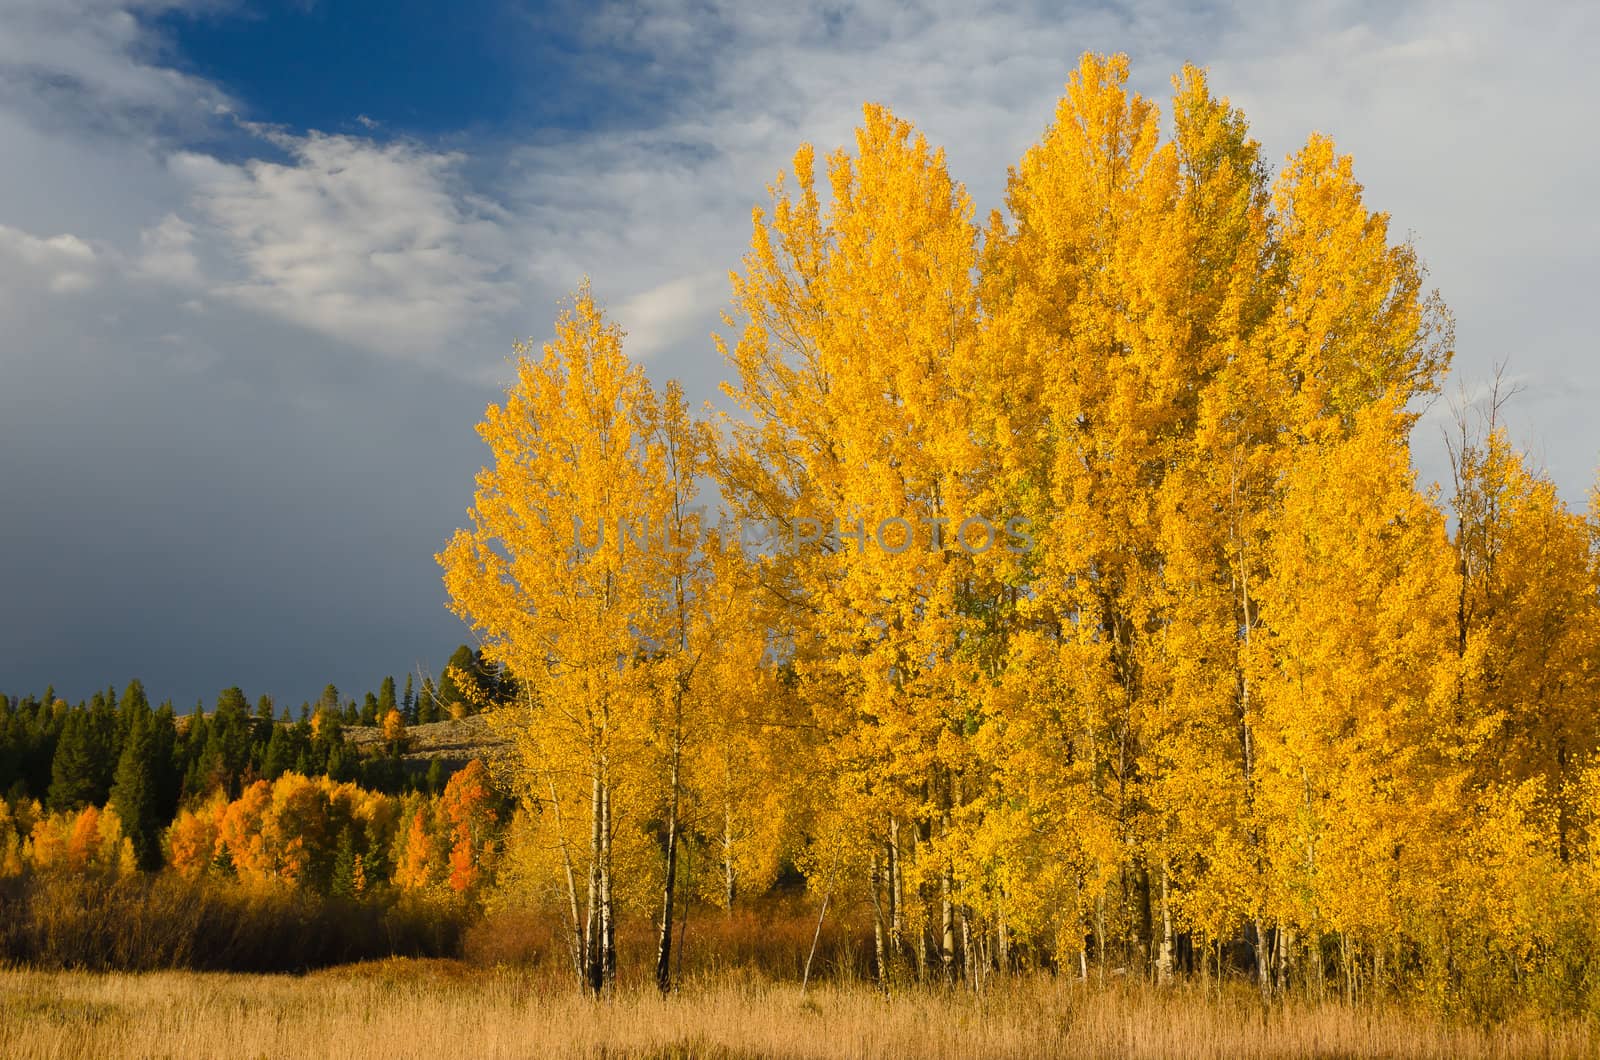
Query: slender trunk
(688, 892)
(608, 920)
(945, 786)
(1164, 963)
(1147, 921)
(1317, 977)
(1315, 939)
(896, 909)
(1100, 934)
(816, 936)
(947, 918)
(1246, 736)
(669, 886)
(577, 940)
(1263, 959)
(729, 880)
(1285, 948)
(969, 959)
(594, 970)
(924, 929)
(920, 839)
(877, 924)
(1002, 936)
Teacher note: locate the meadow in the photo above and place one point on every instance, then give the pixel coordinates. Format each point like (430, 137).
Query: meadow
(406, 1007)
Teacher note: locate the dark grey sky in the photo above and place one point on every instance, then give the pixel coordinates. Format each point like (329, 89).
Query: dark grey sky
(213, 526)
(246, 326)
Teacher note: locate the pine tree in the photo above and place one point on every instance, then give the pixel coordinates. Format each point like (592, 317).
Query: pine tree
(135, 794)
(167, 753)
(459, 686)
(226, 753)
(105, 736)
(191, 752)
(340, 765)
(428, 703)
(280, 755)
(75, 769)
(345, 865)
(133, 703)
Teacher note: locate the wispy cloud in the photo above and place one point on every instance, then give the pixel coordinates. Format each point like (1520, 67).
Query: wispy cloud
(94, 63)
(62, 264)
(378, 245)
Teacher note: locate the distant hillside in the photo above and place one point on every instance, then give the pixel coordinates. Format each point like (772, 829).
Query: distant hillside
(454, 742)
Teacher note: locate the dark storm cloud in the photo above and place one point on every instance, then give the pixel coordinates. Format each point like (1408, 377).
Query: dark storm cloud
(230, 501)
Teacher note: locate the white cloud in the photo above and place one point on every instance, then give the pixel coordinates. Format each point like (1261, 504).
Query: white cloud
(667, 315)
(62, 264)
(94, 61)
(377, 245)
(167, 252)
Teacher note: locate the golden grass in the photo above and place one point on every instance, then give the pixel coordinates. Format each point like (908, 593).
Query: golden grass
(405, 1008)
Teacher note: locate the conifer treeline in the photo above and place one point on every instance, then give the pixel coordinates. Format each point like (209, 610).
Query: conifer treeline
(1247, 693)
(144, 762)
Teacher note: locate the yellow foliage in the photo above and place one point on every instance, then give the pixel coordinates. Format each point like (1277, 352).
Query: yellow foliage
(1223, 670)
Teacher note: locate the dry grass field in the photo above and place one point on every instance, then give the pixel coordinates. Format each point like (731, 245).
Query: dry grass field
(408, 1008)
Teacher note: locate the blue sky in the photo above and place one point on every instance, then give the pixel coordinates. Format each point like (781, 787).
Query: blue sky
(461, 71)
(261, 265)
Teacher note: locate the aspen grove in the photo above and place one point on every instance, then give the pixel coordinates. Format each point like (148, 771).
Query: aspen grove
(1245, 698)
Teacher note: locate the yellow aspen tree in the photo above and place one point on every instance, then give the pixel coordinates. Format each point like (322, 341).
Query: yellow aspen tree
(574, 571)
(194, 838)
(1528, 624)
(11, 840)
(296, 830)
(1353, 319)
(854, 368)
(1210, 515)
(1088, 298)
(570, 451)
(394, 731)
(1176, 329)
(1355, 782)
(745, 768)
(83, 839)
(709, 652)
